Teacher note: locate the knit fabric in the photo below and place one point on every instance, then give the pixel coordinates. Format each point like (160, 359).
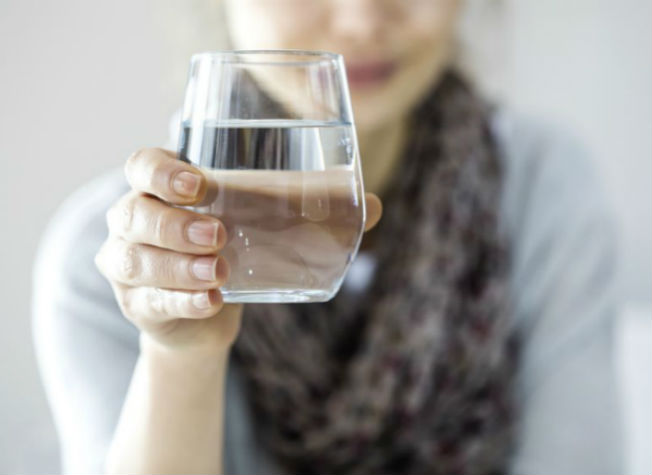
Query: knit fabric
(414, 375)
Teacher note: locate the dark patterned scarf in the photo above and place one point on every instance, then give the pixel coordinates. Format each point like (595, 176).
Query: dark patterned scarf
(414, 375)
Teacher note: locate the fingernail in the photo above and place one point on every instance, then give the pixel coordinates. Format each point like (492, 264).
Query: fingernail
(204, 268)
(203, 300)
(222, 269)
(203, 233)
(186, 184)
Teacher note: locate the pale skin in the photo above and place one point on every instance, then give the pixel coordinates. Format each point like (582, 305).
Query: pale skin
(172, 419)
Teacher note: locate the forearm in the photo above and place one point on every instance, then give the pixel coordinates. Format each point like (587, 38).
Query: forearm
(173, 417)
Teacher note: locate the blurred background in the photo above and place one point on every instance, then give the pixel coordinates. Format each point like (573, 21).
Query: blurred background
(83, 84)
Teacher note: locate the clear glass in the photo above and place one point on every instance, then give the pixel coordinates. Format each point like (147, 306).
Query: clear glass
(273, 133)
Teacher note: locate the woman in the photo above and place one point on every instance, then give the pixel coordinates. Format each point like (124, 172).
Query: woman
(472, 335)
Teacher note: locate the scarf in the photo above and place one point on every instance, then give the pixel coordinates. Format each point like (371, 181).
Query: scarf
(413, 376)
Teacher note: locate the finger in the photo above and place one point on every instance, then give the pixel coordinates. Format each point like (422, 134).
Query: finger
(374, 210)
(142, 304)
(158, 172)
(145, 219)
(142, 265)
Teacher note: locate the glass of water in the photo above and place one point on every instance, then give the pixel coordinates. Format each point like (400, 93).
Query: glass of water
(273, 133)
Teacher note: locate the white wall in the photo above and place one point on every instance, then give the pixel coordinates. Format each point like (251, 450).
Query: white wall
(81, 87)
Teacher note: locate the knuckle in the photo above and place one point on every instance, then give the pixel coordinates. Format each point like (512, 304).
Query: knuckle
(127, 211)
(167, 268)
(130, 262)
(121, 216)
(133, 161)
(188, 306)
(171, 303)
(156, 300)
(145, 168)
(162, 222)
(183, 305)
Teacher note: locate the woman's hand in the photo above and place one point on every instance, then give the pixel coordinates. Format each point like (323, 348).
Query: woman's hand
(163, 262)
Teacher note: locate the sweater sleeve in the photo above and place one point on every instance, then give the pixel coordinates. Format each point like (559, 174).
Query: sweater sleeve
(564, 297)
(85, 349)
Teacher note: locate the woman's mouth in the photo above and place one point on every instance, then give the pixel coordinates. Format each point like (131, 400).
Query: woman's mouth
(368, 73)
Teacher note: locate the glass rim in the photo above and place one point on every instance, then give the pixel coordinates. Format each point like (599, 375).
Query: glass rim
(319, 56)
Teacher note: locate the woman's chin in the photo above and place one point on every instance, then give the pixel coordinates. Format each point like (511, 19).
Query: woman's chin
(373, 109)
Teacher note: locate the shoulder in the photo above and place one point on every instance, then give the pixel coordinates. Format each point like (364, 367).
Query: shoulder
(66, 282)
(549, 176)
(563, 296)
(558, 222)
(79, 222)
(84, 347)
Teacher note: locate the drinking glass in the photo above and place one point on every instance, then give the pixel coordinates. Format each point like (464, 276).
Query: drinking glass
(273, 133)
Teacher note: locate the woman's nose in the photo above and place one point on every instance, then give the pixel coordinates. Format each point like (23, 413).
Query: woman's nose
(358, 20)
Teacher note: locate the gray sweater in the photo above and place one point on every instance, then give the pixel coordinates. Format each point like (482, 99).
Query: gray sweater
(561, 285)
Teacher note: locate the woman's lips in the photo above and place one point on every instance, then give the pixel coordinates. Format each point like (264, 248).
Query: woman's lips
(362, 74)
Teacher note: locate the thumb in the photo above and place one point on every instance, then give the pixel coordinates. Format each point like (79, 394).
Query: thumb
(374, 210)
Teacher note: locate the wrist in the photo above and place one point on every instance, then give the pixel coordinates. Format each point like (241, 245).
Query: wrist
(182, 356)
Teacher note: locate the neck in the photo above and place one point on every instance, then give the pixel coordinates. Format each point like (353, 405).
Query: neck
(380, 151)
